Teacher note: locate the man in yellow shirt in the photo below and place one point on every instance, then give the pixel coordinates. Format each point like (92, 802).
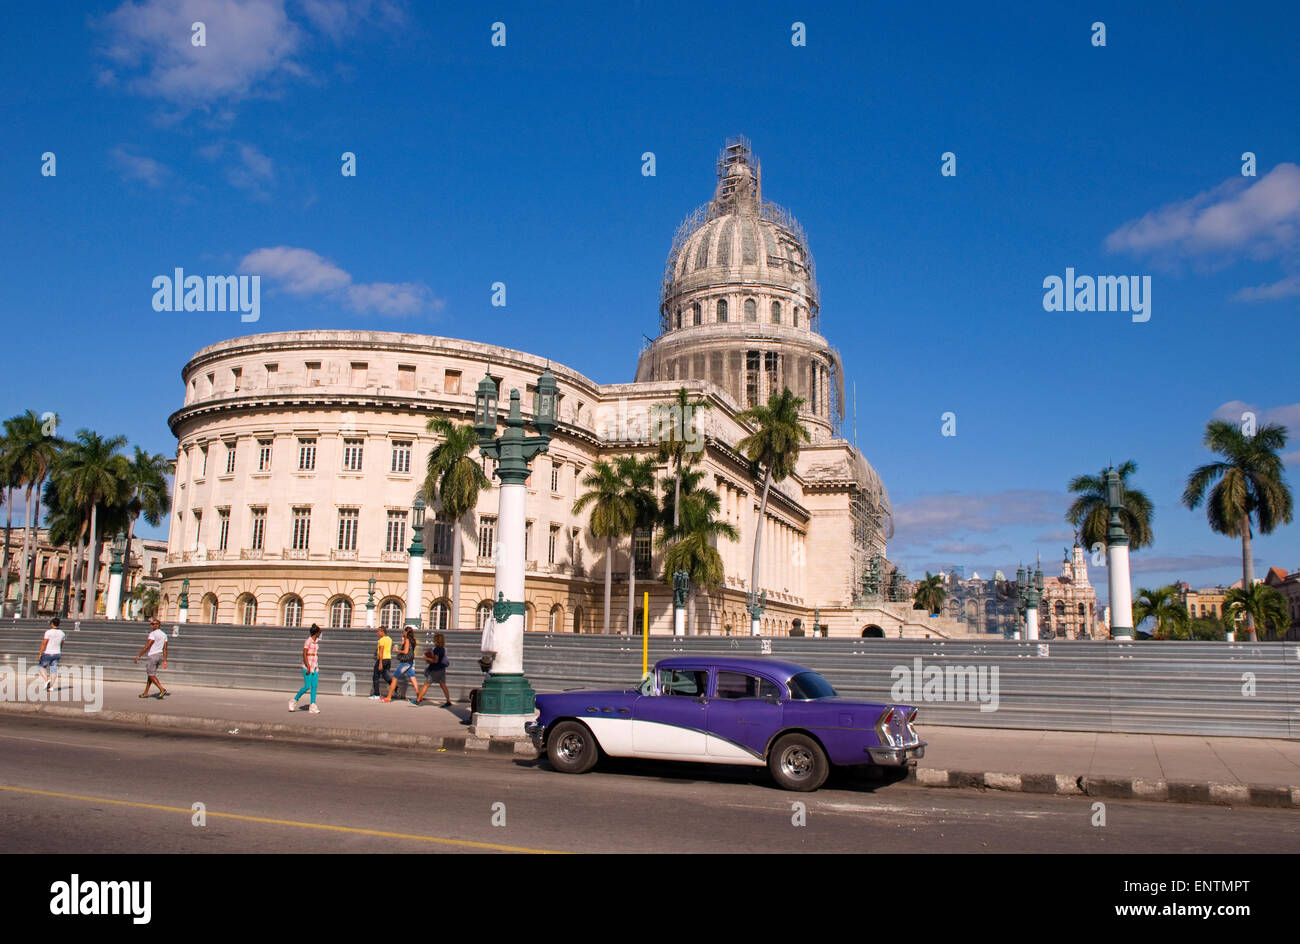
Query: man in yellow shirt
(383, 662)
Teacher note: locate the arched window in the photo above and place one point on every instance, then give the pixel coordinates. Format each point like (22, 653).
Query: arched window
(776, 312)
(292, 611)
(390, 613)
(697, 313)
(341, 613)
(679, 317)
(722, 310)
(555, 623)
(246, 610)
(1083, 611)
(751, 310)
(530, 617)
(1059, 609)
(209, 608)
(482, 613)
(577, 619)
(440, 616)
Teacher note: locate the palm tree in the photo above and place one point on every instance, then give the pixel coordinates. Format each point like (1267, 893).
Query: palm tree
(1251, 488)
(674, 446)
(150, 496)
(8, 481)
(146, 600)
(1262, 606)
(1163, 606)
(93, 475)
(692, 543)
(1090, 515)
(638, 477)
(929, 594)
(773, 446)
(67, 528)
(30, 455)
(454, 481)
(612, 514)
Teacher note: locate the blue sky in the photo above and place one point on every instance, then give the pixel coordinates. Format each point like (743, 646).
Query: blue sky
(522, 164)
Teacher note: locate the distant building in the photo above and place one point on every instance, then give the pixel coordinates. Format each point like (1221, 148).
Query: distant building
(1206, 603)
(1068, 609)
(1289, 586)
(54, 572)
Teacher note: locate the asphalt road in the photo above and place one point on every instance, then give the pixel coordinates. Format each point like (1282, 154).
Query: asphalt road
(68, 787)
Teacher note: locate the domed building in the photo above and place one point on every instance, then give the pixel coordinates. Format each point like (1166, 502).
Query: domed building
(300, 453)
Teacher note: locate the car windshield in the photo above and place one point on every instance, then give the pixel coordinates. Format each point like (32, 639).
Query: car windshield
(810, 685)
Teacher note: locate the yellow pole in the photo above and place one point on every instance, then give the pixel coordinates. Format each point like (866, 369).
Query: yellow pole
(645, 632)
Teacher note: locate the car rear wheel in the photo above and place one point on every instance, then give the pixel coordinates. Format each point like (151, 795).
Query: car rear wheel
(571, 748)
(797, 762)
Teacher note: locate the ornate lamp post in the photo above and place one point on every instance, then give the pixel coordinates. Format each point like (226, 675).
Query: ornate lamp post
(681, 585)
(1029, 588)
(1121, 592)
(414, 567)
(506, 701)
(113, 608)
(183, 604)
(756, 606)
(370, 606)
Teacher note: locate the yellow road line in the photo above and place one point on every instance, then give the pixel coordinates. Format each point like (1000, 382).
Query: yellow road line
(285, 822)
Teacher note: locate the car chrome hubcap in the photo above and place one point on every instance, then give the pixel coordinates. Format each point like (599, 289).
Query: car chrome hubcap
(571, 746)
(796, 762)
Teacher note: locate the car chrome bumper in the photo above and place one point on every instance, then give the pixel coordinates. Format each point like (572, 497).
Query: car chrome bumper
(536, 731)
(897, 756)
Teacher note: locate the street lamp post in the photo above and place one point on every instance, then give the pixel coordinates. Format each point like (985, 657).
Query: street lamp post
(1029, 587)
(756, 605)
(681, 586)
(414, 567)
(113, 608)
(183, 604)
(1121, 591)
(506, 700)
(370, 606)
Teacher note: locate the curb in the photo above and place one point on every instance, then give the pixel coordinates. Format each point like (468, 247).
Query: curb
(1109, 788)
(262, 730)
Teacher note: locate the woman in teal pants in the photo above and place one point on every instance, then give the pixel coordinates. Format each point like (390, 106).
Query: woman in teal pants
(310, 671)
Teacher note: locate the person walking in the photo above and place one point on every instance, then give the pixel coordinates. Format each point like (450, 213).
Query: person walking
(405, 663)
(435, 670)
(51, 649)
(383, 662)
(310, 670)
(156, 646)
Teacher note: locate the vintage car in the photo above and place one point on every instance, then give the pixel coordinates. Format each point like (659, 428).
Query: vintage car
(727, 710)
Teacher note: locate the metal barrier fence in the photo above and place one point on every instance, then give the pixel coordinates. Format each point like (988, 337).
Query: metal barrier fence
(1208, 688)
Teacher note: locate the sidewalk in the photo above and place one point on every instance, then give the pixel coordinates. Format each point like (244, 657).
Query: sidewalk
(1180, 768)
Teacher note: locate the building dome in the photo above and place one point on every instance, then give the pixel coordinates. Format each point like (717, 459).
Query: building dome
(740, 306)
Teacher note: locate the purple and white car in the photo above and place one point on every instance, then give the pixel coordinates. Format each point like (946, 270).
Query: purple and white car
(727, 710)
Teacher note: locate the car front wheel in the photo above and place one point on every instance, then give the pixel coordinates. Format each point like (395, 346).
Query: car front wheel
(571, 748)
(797, 762)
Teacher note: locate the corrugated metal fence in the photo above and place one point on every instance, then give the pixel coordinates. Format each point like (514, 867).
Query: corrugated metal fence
(1211, 688)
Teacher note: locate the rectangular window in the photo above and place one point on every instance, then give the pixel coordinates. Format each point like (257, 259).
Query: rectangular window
(313, 373)
(395, 538)
(770, 362)
(301, 528)
(359, 374)
(555, 476)
(259, 528)
(236, 377)
(348, 529)
(198, 526)
(306, 455)
(641, 547)
(223, 523)
(352, 454)
(264, 455)
(528, 540)
(486, 536)
(451, 381)
(551, 542)
(401, 456)
(405, 376)
(751, 378)
(272, 374)
(203, 461)
(230, 458)
(442, 532)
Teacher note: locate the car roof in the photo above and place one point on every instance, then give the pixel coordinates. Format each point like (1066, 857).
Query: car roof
(761, 664)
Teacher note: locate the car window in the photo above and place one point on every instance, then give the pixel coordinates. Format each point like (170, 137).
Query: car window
(688, 682)
(741, 685)
(810, 685)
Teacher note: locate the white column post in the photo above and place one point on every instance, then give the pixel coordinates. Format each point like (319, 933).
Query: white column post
(113, 607)
(1121, 592)
(1031, 623)
(414, 592)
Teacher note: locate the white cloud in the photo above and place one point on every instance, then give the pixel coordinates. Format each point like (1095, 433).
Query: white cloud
(303, 272)
(1287, 415)
(1283, 288)
(937, 517)
(139, 167)
(244, 166)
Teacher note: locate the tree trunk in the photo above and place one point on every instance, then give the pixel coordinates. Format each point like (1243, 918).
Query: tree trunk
(457, 555)
(75, 564)
(758, 541)
(677, 499)
(36, 547)
(1247, 573)
(23, 591)
(9, 522)
(691, 628)
(609, 556)
(92, 568)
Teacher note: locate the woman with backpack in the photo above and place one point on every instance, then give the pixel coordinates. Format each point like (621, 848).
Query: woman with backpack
(435, 670)
(405, 662)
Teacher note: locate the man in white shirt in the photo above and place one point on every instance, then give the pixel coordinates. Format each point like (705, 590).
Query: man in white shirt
(156, 646)
(51, 649)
